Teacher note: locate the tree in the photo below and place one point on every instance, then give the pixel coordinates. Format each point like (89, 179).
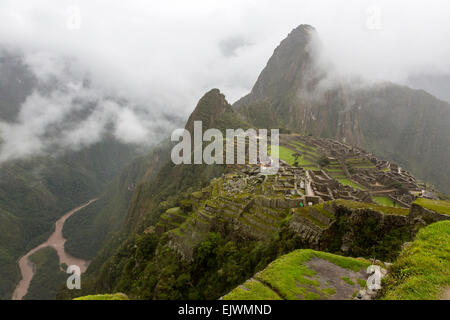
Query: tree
(323, 161)
(296, 156)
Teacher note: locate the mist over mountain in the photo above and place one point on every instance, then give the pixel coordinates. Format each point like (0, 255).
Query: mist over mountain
(147, 63)
(436, 84)
(47, 112)
(298, 91)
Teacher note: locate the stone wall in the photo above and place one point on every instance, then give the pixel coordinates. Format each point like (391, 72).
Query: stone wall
(429, 216)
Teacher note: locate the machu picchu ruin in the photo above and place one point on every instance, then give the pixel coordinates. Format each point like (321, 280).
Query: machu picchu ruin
(336, 170)
(320, 186)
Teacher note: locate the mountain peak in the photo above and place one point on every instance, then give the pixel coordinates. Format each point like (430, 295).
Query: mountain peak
(293, 66)
(209, 108)
(303, 29)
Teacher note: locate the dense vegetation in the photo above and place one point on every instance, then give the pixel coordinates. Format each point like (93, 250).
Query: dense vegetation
(116, 296)
(87, 230)
(35, 193)
(422, 271)
(144, 267)
(48, 277)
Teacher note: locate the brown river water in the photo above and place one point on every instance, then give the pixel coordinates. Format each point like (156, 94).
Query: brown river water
(56, 241)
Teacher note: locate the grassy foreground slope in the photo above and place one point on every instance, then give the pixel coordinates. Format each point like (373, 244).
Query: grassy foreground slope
(116, 296)
(439, 206)
(422, 270)
(305, 274)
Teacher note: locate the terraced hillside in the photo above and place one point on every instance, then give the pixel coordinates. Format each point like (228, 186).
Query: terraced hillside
(339, 171)
(242, 221)
(422, 271)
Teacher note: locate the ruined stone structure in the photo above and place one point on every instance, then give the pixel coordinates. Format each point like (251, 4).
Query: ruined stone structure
(365, 175)
(247, 204)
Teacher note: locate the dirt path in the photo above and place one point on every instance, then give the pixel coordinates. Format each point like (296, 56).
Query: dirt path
(56, 241)
(308, 188)
(332, 276)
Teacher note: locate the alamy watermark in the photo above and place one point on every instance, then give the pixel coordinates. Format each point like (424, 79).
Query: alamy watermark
(74, 281)
(374, 280)
(73, 21)
(190, 149)
(373, 21)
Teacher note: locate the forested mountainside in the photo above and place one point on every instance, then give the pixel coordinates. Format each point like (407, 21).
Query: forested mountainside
(87, 230)
(37, 190)
(35, 193)
(298, 91)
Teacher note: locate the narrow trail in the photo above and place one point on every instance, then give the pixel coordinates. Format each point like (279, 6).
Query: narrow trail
(309, 189)
(56, 241)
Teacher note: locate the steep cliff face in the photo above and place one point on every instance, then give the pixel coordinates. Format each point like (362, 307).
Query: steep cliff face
(410, 127)
(289, 91)
(295, 91)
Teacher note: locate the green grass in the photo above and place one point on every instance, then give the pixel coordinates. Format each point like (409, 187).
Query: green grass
(439, 206)
(384, 201)
(286, 154)
(319, 207)
(353, 184)
(304, 145)
(312, 168)
(362, 283)
(348, 280)
(116, 296)
(331, 169)
(304, 151)
(364, 205)
(176, 210)
(360, 163)
(292, 278)
(255, 290)
(422, 270)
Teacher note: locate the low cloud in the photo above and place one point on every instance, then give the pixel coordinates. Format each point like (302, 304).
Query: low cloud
(136, 68)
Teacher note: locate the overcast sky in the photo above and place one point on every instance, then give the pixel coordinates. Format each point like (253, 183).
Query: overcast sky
(164, 54)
